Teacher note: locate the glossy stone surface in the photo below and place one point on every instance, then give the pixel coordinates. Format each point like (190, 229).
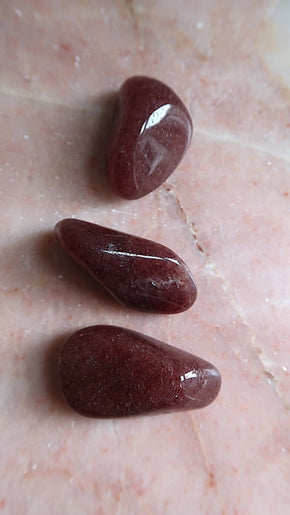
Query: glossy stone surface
(139, 273)
(108, 371)
(151, 132)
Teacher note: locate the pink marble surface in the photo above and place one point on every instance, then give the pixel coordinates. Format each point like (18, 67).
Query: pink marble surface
(225, 211)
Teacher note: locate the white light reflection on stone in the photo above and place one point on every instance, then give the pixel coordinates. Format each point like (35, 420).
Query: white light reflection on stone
(156, 117)
(189, 375)
(131, 254)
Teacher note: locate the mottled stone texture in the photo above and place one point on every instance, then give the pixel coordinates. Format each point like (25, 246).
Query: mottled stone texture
(150, 134)
(108, 371)
(140, 273)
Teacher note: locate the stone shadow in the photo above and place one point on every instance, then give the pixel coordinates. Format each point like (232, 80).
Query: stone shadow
(51, 383)
(96, 162)
(37, 266)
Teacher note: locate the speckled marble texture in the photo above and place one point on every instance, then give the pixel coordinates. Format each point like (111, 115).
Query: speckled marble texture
(226, 213)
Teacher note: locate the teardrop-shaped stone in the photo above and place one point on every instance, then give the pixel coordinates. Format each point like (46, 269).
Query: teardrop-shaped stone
(139, 273)
(108, 371)
(150, 134)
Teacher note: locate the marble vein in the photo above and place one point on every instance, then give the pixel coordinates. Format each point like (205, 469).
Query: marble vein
(120, 492)
(129, 6)
(212, 269)
(211, 135)
(211, 476)
(227, 137)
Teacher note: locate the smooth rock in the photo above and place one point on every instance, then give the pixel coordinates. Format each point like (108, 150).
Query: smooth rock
(139, 273)
(150, 134)
(108, 371)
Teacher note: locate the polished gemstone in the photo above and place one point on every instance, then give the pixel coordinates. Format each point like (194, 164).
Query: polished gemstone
(108, 371)
(139, 273)
(150, 134)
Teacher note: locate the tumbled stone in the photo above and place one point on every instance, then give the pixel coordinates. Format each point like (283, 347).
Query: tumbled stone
(139, 273)
(150, 134)
(108, 371)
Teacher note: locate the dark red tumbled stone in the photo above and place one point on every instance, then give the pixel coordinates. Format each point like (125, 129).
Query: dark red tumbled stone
(150, 134)
(108, 371)
(139, 273)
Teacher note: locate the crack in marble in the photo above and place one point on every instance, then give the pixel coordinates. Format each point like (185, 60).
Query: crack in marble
(116, 433)
(213, 270)
(253, 340)
(129, 5)
(134, 13)
(212, 135)
(212, 480)
(272, 379)
(168, 189)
